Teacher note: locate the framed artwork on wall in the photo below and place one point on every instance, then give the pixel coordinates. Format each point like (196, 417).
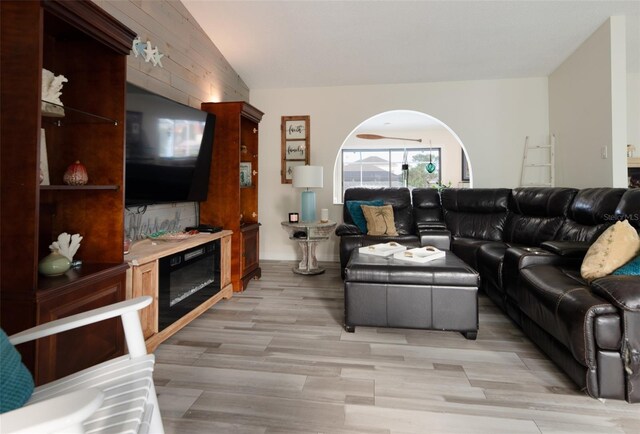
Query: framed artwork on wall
(245, 174)
(295, 144)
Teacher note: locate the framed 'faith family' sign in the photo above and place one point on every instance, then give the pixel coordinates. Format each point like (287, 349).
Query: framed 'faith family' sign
(296, 145)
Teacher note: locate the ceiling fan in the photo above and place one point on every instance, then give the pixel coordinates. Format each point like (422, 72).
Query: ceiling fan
(377, 137)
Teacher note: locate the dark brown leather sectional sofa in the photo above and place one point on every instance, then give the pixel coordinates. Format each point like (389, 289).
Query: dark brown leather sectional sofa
(528, 244)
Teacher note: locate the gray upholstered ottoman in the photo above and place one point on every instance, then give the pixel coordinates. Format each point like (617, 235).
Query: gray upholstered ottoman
(386, 292)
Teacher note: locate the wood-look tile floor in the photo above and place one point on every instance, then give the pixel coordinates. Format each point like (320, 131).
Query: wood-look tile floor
(275, 359)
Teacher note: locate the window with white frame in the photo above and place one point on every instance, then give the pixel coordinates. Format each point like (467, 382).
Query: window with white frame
(383, 167)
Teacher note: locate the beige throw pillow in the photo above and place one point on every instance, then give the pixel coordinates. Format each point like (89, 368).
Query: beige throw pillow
(615, 247)
(379, 220)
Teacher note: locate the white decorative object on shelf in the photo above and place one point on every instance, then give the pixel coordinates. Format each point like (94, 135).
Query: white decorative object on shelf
(145, 50)
(51, 91)
(44, 161)
(67, 244)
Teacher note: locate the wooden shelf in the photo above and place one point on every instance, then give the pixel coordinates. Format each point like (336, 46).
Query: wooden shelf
(144, 251)
(80, 187)
(74, 116)
(77, 275)
(633, 162)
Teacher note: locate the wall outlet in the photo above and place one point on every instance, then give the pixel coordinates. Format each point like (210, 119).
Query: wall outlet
(603, 152)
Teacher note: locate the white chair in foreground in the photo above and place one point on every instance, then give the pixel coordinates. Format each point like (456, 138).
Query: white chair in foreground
(116, 396)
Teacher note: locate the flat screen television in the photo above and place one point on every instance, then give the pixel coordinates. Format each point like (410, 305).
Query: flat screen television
(168, 150)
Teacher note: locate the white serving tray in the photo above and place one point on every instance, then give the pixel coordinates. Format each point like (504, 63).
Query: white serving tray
(420, 254)
(382, 249)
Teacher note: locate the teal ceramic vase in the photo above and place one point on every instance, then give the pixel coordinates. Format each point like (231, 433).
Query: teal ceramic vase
(54, 264)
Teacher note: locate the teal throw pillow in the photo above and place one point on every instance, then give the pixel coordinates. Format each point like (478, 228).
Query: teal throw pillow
(631, 268)
(356, 212)
(16, 383)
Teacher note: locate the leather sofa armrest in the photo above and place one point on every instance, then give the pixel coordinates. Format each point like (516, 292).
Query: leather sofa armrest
(518, 258)
(523, 257)
(347, 229)
(430, 226)
(438, 238)
(621, 291)
(624, 293)
(570, 249)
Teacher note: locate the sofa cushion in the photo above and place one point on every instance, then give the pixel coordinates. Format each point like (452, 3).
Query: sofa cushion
(614, 248)
(16, 383)
(379, 219)
(631, 268)
(466, 249)
(536, 214)
(590, 214)
(478, 213)
(355, 210)
(398, 198)
(427, 211)
(629, 208)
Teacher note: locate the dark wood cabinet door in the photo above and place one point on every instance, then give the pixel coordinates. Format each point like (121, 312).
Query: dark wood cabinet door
(74, 350)
(250, 252)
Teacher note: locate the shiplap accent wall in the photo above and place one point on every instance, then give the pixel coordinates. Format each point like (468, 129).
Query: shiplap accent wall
(193, 71)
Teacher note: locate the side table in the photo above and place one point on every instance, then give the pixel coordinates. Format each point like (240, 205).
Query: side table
(314, 232)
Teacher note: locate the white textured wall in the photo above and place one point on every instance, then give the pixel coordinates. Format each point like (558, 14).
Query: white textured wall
(587, 111)
(633, 111)
(491, 117)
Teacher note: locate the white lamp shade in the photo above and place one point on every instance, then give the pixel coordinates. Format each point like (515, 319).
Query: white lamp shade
(307, 177)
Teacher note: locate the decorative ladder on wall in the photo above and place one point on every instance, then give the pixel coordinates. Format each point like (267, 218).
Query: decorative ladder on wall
(546, 162)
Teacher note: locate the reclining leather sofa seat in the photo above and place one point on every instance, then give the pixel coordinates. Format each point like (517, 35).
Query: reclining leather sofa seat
(427, 212)
(535, 215)
(352, 238)
(591, 330)
(474, 217)
(428, 218)
(591, 212)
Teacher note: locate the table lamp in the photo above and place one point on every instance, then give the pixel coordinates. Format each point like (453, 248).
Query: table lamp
(307, 177)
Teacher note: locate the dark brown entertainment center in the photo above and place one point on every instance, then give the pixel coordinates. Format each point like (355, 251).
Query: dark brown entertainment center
(89, 47)
(79, 40)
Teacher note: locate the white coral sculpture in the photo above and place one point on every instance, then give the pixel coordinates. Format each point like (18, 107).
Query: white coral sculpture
(67, 244)
(52, 86)
(51, 91)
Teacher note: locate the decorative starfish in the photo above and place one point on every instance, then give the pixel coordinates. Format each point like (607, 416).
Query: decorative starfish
(148, 52)
(156, 57)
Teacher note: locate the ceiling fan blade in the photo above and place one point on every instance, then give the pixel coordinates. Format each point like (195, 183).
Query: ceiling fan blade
(377, 137)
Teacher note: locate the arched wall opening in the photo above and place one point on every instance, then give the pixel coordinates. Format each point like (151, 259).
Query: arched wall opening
(401, 129)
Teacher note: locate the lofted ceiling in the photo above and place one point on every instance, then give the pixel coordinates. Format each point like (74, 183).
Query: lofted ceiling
(285, 44)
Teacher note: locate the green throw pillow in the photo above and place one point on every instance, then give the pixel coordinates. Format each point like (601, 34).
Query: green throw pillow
(16, 383)
(356, 212)
(631, 268)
